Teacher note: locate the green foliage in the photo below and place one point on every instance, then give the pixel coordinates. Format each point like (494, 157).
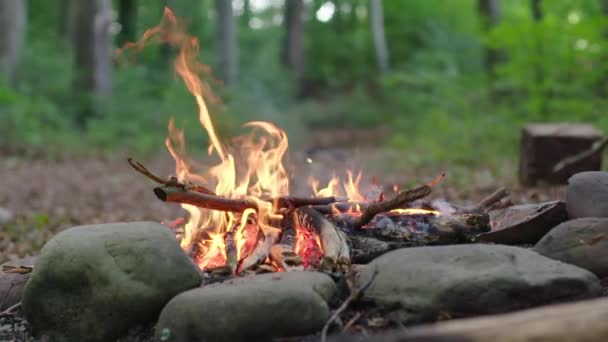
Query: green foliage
(437, 97)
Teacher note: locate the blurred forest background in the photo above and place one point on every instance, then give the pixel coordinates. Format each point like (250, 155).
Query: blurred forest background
(442, 80)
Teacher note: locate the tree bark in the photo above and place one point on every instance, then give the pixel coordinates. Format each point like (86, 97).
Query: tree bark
(489, 12)
(292, 55)
(227, 41)
(12, 35)
(127, 17)
(380, 45)
(92, 42)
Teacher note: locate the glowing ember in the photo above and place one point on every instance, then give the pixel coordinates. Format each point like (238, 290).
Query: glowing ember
(308, 247)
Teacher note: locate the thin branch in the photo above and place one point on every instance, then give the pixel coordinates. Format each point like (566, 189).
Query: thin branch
(597, 147)
(398, 201)
(489, 202)
(10, 310)
(354, 295)
(139, 167)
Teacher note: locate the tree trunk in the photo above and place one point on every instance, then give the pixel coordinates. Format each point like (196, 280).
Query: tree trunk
(380, 46)
(489, 12)
(537, 11)
(292, 55)
(12, 34)
(539, 75)
(127, 17)
(66, 18)
(227, 42)
(93, 53)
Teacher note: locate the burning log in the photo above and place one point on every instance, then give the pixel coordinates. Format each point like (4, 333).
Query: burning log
(398, 201)
(179, 195)
(285, 258)
(261, 251)
(231, 250)
(333, 241)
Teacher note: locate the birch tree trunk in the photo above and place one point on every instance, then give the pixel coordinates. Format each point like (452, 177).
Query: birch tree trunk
(380, 45)
(92, 42)
(227, 41)
(12, 36)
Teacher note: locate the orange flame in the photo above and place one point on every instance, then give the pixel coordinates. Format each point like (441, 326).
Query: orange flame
(251, 168)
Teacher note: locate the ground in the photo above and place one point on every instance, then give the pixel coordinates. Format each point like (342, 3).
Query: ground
(47, 196)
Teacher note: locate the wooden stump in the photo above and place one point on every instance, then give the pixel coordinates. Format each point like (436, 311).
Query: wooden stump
(545, 145)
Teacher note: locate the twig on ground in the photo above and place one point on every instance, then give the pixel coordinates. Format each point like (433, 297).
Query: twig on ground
(10, 310)
(17, 269)
(355, 294)
(398, 201)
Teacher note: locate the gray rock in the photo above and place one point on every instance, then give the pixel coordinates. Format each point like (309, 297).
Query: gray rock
(423, 283)
(6, 216)
(587, 194)
(93, 283)
(582, 242)
(253, 308)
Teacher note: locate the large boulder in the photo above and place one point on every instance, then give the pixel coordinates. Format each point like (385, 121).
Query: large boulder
(582, 242)
(424, 283)
(587, 194)
(253, 308)
(93, 283)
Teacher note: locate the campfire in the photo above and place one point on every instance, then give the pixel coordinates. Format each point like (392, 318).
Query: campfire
(242, 218)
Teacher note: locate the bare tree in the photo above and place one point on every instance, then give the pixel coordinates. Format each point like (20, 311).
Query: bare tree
(227, 41)
(92, 51)
(489, 13)
(380, 45)
(12, 35)
(292, 54)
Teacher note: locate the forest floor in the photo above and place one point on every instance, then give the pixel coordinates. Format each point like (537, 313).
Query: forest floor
(46, 197)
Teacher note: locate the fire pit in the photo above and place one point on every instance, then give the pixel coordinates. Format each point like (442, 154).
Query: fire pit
(241, 217)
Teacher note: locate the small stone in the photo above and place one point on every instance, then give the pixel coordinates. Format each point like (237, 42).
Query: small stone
(587, 194)
(94, 283)
(582, 242)
(6, 216)
(425, 283)
(251, 308)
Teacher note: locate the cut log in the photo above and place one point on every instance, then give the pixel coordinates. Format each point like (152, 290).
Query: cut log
(543, 146)
(578, 321)
(524, 224)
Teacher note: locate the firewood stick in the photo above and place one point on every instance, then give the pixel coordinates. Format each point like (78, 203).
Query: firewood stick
(401, 199)
(231, 250)
(177, 195)
(139, 167)
(492, 199)
(261, 251)
(284, 256)
(333, 241)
